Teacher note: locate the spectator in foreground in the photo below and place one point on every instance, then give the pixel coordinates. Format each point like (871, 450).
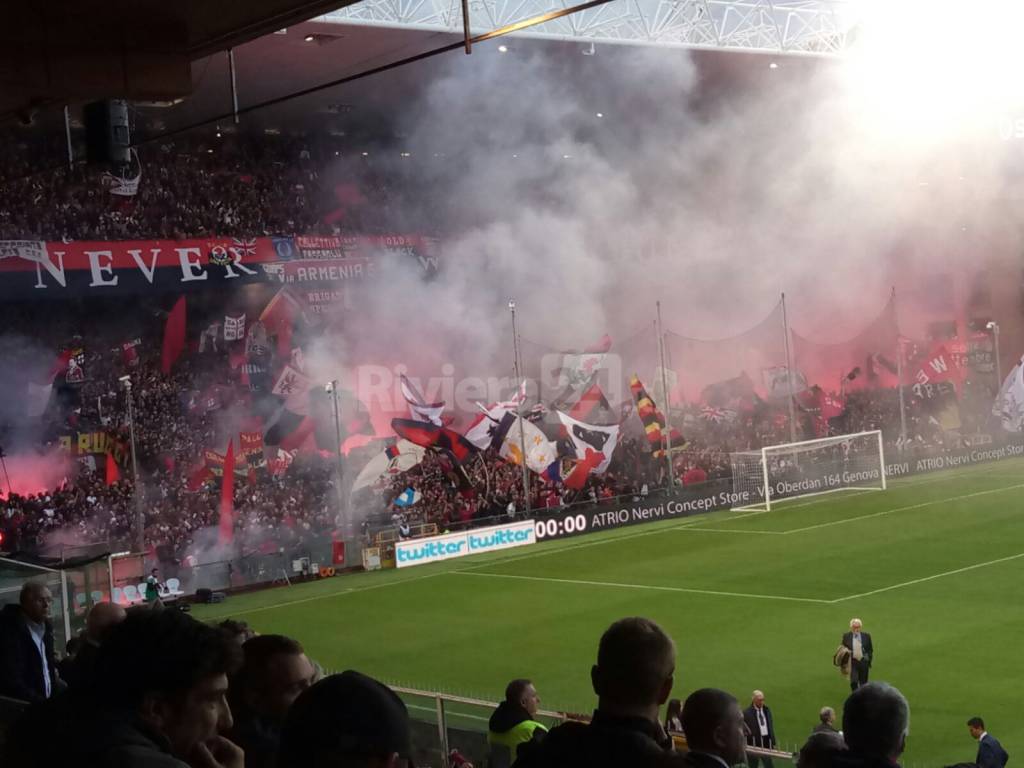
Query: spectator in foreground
(162, 703)
(990, 752)
(821, 749)
(827, 724)
(513, 722)
(273, 675)
(345, 721)
(28, 664)
(239, 631)
(674, 716)
(715, 731)
(632, 679)
(876, 720)
(102, 618)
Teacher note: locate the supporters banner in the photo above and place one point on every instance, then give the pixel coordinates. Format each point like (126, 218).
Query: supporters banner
(250, 445)
(95, 443)
(57, 268)
(718, 495)
(234, 328)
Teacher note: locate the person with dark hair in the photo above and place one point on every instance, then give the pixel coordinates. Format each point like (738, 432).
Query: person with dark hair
(275, 671)
(876, 721)
(153, 587)
(632, 678)
(162, 702)
(990, 752)
(715, 731)
(28, 664)
(674, 716)
(101, 618)
(346, 721)
(514, 722)
(239, 631)
(820, 749)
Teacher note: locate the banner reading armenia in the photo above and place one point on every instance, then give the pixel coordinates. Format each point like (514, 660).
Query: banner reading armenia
(45, 268)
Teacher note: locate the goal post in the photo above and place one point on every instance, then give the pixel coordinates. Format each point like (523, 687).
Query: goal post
(761, 479)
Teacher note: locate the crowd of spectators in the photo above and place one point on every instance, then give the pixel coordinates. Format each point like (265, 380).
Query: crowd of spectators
(161, 689)
(197, 186)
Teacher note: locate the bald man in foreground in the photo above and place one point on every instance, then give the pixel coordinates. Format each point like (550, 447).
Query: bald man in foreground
(101, 619)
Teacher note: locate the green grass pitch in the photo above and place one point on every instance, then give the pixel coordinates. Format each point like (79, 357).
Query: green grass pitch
(934, 566)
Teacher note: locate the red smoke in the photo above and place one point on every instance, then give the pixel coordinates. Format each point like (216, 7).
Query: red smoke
(31, 473)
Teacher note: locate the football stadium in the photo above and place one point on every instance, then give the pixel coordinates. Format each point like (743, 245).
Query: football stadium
(620, 383)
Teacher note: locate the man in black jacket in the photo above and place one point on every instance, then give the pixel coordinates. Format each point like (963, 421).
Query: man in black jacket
(28, 665)
(274, 674)
(514, 723)
(862, 653)
(632, 679)
(78, 671)
(876, 718)
(990, 752)
(162, 703)
(761, 728)
(716, 733)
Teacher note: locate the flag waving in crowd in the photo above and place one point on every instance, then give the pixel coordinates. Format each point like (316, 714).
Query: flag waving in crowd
(418, 407)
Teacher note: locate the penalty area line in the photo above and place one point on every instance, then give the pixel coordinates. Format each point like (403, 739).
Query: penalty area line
(923, 579)
(649, 587)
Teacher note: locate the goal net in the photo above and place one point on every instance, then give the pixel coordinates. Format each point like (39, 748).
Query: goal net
(795, 470)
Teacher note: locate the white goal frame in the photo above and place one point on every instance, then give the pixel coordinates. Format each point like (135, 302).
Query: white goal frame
(766, 504)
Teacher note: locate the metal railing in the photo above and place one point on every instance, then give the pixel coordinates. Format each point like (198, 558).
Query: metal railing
(443, 721)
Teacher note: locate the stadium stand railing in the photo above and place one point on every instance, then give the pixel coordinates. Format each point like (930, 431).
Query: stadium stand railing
(443, 722)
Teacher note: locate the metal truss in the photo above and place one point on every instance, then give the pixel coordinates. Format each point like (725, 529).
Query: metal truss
(797, 27)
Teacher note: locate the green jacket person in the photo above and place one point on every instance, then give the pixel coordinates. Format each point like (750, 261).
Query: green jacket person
(512, 724)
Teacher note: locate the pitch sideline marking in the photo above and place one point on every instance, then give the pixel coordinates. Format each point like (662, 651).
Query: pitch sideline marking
(652, 587)
(931, 578)
(338, 593)
(903, 509)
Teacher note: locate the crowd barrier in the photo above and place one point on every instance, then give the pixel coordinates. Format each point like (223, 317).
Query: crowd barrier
(442, 722)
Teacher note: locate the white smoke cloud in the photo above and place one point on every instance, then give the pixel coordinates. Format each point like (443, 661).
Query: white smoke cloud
(711, 198)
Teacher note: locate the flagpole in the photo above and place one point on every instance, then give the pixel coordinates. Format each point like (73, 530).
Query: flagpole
(519, 408)
(899, 375)
(140, 524)
(332, 387)
(789, 371)
(665, 405)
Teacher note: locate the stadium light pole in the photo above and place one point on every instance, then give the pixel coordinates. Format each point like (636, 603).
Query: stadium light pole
(519, 406)
(994, 327)
(332, 389)
(789, 372)
(140, 526)
(666, 405)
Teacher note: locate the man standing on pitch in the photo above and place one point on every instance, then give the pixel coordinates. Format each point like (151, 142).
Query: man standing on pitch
(761, 729)
(862, 653)
(990, 752)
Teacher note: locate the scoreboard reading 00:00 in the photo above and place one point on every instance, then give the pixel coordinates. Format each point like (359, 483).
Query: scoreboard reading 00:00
(564, 526)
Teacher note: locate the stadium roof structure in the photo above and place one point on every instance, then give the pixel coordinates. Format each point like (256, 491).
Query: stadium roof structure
(793, 27)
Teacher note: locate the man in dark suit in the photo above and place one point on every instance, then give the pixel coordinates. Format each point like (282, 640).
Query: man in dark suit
(990, 752)
(760, 729)
(28, 666)
(827, 724)
(862, 653)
